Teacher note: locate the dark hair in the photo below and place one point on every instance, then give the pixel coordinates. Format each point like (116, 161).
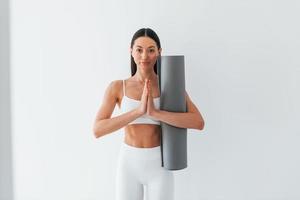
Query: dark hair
(140, 33)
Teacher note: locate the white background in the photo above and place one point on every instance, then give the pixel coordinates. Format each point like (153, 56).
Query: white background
(242, 71)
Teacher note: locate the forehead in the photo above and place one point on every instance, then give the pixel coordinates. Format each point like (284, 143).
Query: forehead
(144, 42)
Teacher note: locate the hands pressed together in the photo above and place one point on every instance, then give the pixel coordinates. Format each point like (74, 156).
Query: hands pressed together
(147, 104)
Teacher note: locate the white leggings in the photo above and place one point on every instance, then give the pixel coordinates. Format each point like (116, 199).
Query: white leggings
(139, 169)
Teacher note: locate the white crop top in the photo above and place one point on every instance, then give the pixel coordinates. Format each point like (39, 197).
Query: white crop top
(129, 104)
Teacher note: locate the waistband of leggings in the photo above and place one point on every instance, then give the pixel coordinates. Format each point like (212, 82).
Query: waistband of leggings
(141, 152)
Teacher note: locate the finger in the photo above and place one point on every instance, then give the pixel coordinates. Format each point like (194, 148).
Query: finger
(149, 89)
(145, 91)
(145, 85)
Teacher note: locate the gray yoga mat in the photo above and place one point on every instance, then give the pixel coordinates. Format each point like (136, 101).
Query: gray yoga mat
(171, 74)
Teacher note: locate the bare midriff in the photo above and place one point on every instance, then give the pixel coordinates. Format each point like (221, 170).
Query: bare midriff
(143, 135)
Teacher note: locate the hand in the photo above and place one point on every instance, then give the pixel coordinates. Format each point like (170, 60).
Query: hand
(150, 104)
(142, 109)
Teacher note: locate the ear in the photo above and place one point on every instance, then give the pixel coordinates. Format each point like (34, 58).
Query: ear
(159, 50)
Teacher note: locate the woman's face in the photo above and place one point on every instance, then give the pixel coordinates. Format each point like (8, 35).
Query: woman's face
(145, 53)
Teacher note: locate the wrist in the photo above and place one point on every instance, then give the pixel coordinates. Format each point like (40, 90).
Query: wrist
(154, 113)
(137, 112)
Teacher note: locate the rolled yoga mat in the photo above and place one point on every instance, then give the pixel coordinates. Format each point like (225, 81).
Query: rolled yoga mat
(171, 74)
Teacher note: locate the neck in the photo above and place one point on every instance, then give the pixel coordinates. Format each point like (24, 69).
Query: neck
(141, 77)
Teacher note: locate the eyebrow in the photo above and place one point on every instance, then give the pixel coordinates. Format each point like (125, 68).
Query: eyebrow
(148, 47)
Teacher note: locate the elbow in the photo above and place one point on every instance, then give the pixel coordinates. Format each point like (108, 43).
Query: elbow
(97, 131)
(200, 125)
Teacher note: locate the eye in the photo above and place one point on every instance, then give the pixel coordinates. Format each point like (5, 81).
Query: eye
(152, 50)
(139, 50)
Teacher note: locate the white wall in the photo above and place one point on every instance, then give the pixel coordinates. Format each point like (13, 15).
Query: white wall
(242, 71)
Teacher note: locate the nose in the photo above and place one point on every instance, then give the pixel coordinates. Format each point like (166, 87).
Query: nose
(144, 55)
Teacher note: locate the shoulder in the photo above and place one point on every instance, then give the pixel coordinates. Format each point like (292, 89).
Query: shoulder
(115, 84)
(115, 87)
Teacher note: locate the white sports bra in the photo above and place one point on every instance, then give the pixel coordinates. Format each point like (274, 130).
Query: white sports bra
(129, 104)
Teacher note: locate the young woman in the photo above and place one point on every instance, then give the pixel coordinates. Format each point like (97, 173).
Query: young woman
(138, 97)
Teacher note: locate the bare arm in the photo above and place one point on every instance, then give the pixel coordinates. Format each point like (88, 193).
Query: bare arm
(104, 124)
(190, 119)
